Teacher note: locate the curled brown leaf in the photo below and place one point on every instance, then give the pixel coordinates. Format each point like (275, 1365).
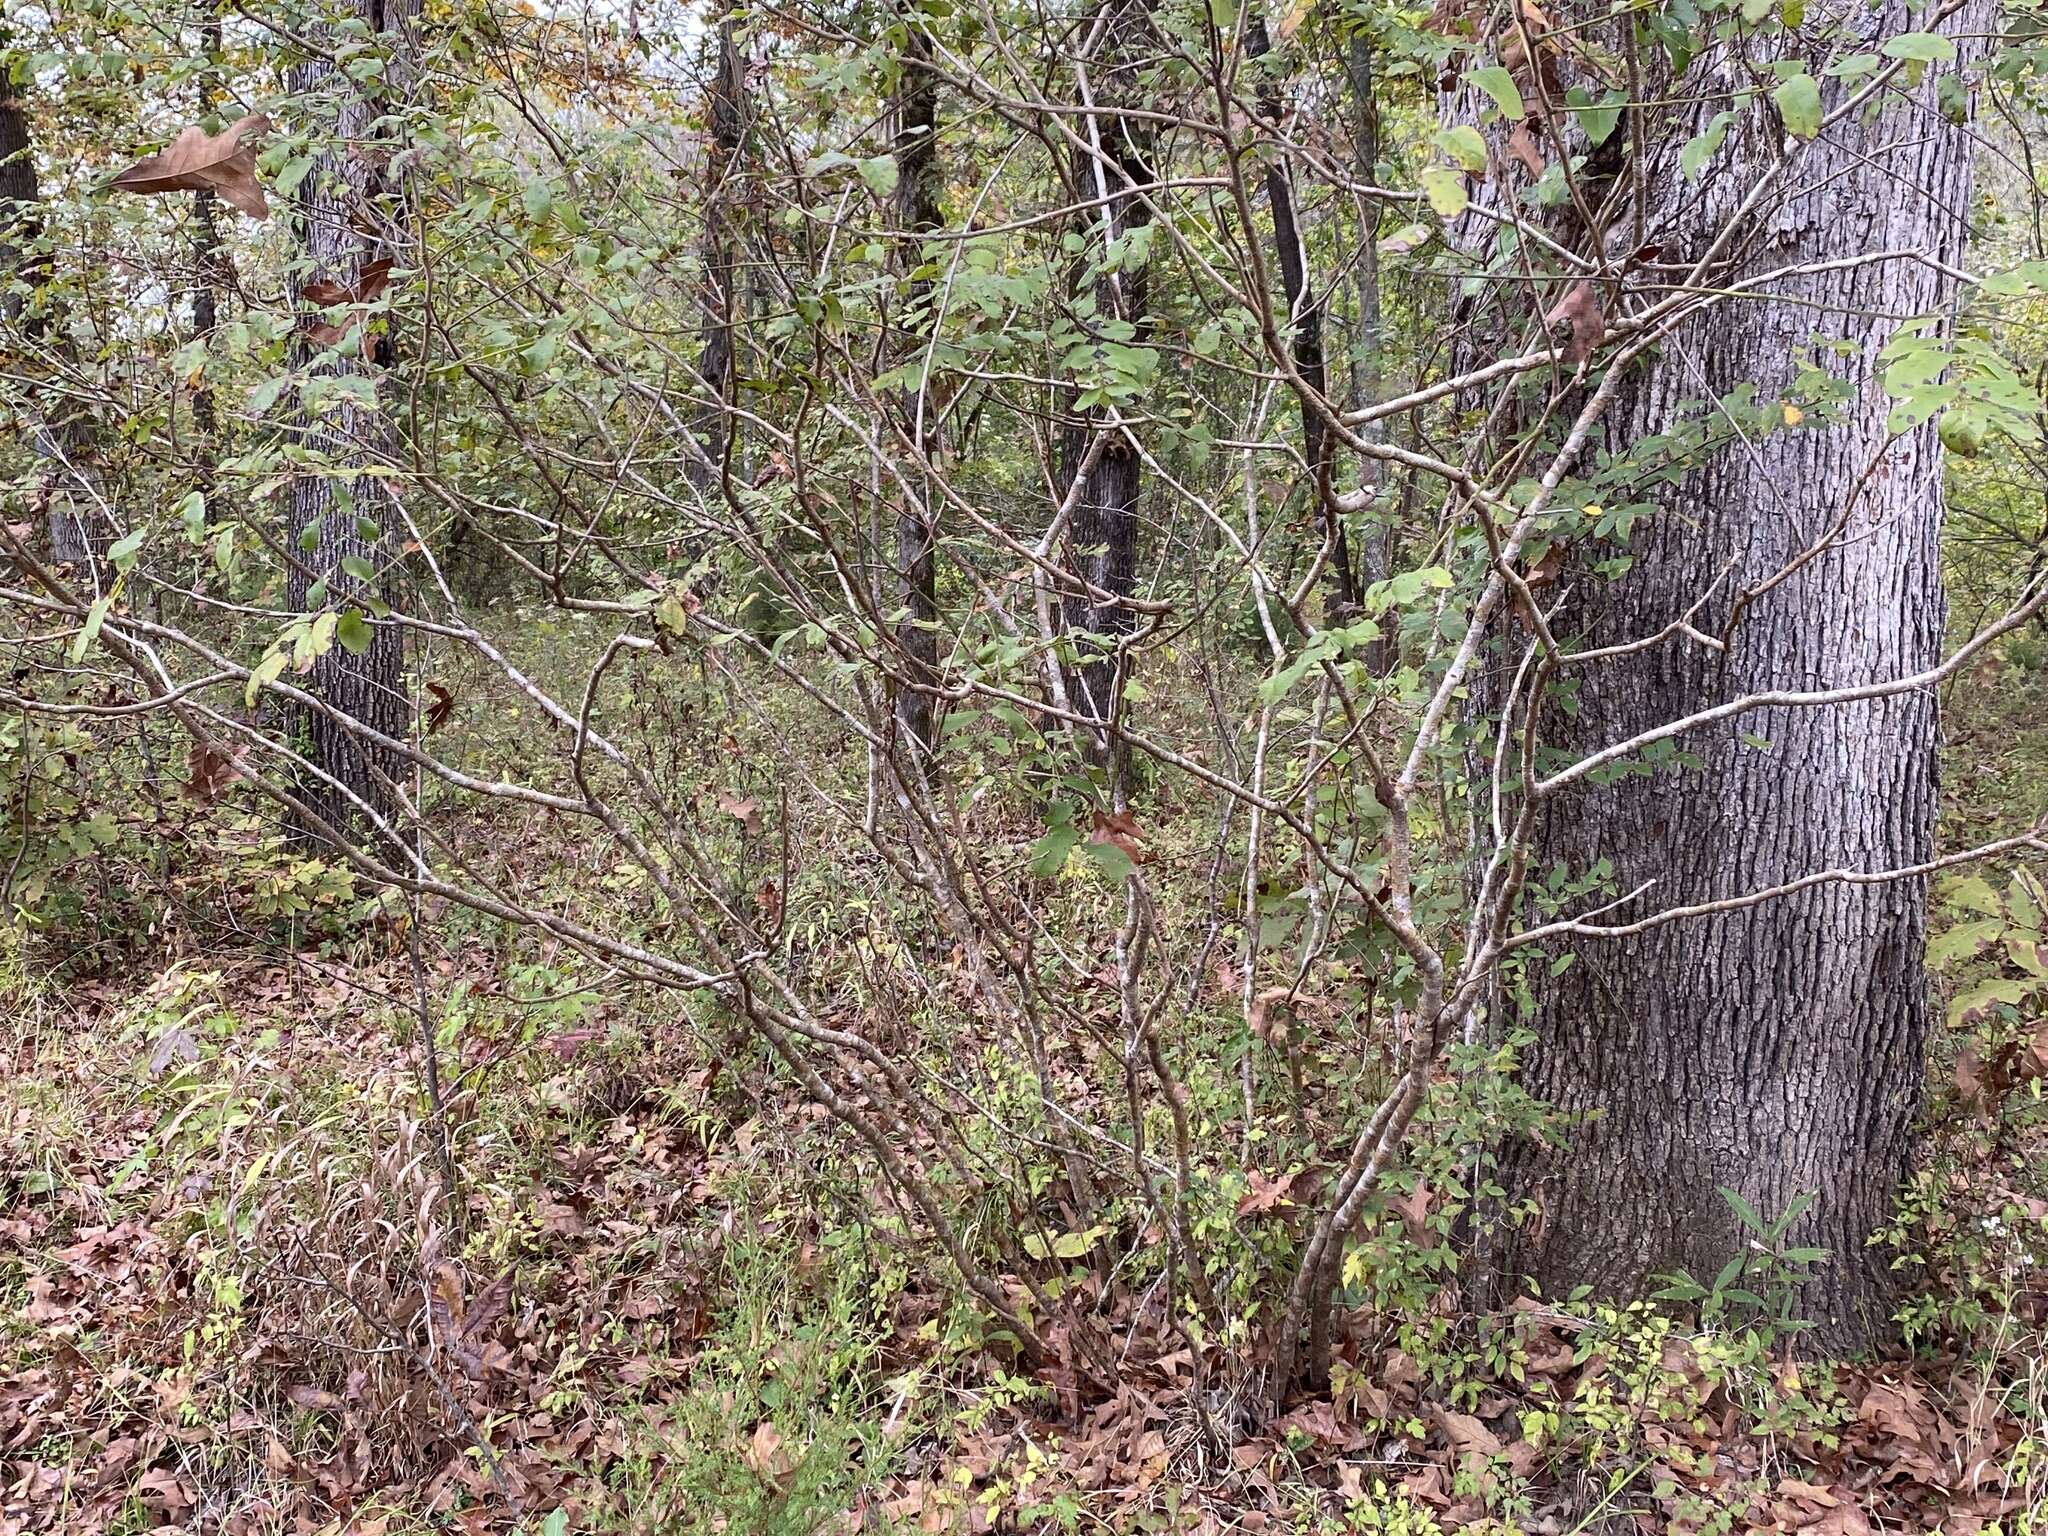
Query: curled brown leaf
(196, 160)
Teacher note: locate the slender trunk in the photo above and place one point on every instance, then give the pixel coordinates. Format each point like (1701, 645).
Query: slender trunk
(1774, 1051)
(62, 433)
(1102, 535)
(209, 257)
(345, 524)
(726, 108)
(1370, 346)
(1305, 327)
(918, 212)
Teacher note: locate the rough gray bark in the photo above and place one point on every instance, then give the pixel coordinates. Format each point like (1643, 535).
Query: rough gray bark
(1102, 535)
(726, 108)
(918, 212)
(1775, 1051)
(347, 218)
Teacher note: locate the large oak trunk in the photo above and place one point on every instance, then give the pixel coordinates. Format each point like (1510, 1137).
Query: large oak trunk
(1774, 1051)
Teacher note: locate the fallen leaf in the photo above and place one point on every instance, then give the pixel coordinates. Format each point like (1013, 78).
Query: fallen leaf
(195, 160)
(313, 1399)
(1265, 1194)
(765, 1454)
(744, 810)
(213, 770)
(1466, 1434)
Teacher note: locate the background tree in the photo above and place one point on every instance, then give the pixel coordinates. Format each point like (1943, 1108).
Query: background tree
(346, 529)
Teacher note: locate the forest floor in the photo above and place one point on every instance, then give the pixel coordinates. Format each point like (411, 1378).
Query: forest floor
(233, 1298)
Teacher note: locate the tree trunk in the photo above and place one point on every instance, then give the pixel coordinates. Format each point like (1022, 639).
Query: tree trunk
(1774, 1051)
(1369, 349)
(918, 211)
(727, 111)
(344, 521)
(1102, 536)
(63, 435)
(1305, 342)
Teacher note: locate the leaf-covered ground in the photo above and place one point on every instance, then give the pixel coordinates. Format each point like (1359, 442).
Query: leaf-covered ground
(232, 1304)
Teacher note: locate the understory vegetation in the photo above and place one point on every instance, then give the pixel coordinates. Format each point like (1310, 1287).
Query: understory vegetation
(1144, 766)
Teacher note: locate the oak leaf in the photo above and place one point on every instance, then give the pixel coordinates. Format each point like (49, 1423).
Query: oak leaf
(213, 770)
(196, 160)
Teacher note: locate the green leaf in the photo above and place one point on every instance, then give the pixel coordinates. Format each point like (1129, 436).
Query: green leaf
(1408, 238)
(1500, 85)
(1049, 853)
(1445, 189)
(1063, 1245)
(359, 568)
(1798, 102)
(1981, 999)
(1701, 147)
(294, 171)
(1922, 47)
(537, 197)
(268, 670)
(1744, 1211)
(124, 549)
(1112, 861)
(354, 632)
(89, 631)
(1464, 145)
(191, 511)
(1597, 118)
(880, 174)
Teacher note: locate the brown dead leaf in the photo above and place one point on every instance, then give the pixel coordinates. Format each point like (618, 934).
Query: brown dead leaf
(744, 810)
(213, 770)
(442, 707)
(1579, 313)
(1466, 1434)
(1119, 829)
(1414, 1211)
(1266, 1194)
(1522, 148)
(767, 1455)
(195, 159)
(313, 1399)
(369, 286)
(1319, 1421)
(1268, 1013)
(2033, 1060)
